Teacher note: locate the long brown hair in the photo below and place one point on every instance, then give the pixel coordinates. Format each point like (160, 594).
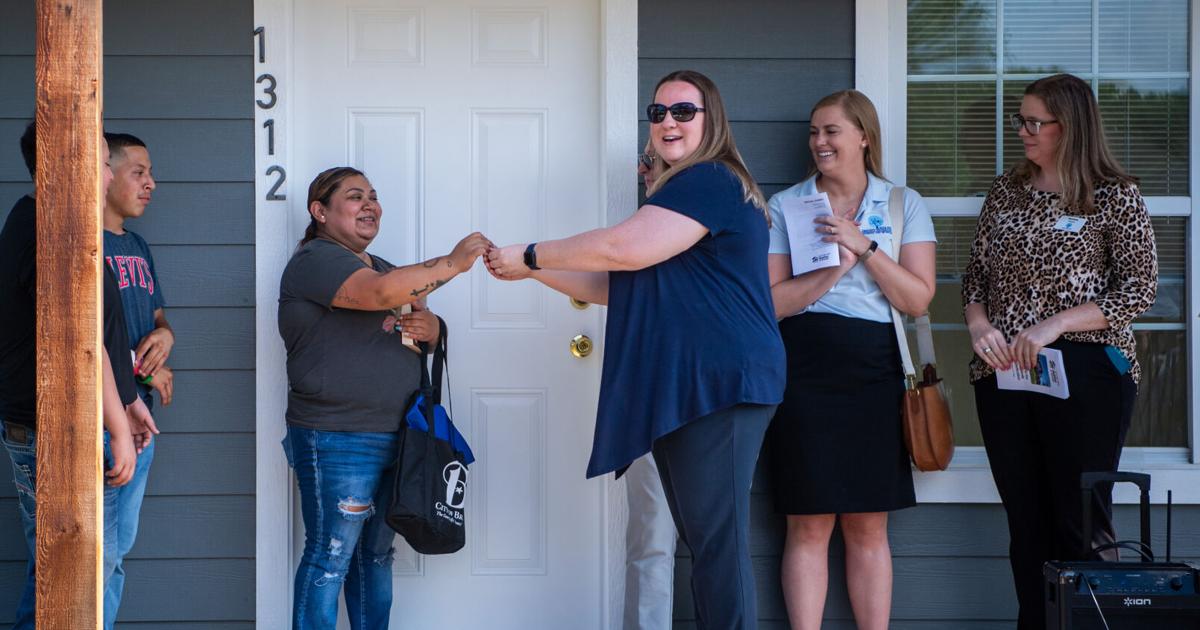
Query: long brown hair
(321, 189)
(717, 144)
(1082, 158)
(861, 112)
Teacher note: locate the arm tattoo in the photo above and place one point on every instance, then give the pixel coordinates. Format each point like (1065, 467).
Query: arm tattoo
(427, 288)
(431, 263)
(345, 297)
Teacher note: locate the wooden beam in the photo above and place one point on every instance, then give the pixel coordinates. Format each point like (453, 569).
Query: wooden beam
(69, 247)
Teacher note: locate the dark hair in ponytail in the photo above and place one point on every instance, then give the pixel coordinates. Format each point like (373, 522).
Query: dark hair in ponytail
(321, 189)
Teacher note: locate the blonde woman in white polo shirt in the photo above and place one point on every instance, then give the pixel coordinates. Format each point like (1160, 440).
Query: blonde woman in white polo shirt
(837, 451)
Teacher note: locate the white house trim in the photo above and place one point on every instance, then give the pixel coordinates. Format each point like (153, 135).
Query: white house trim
(276, 233)
(882, 27)
(1193, 261)
(620, 26)
(274, 238)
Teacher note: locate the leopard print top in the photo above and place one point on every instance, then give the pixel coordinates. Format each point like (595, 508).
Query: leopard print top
(1023, 270)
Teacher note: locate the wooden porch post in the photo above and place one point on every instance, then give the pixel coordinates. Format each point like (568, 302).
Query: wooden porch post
(69, 202)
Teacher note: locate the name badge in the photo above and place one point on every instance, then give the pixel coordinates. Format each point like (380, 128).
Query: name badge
(1070, 224)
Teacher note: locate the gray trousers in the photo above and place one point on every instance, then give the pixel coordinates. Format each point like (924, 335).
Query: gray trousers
(707, 467)
(649, 549)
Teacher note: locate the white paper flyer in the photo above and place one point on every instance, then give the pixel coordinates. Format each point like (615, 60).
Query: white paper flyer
(809, 252)
(1047, 377)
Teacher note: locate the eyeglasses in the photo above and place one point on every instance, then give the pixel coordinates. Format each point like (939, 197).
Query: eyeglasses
(647, 160)
(681, 112)
(1034, 127)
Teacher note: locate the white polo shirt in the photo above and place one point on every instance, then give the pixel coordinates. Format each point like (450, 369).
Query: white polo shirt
(856, 294)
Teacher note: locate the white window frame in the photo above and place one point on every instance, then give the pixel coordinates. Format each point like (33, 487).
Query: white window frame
(883, 25)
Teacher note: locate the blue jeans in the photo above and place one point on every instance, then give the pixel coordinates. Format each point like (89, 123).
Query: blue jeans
(23, 453)
(345, 481)
(122, 509)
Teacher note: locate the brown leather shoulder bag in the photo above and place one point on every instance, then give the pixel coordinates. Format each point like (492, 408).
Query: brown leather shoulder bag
(928, 428)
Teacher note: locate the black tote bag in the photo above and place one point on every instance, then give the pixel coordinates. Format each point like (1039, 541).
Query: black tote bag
(429, 498)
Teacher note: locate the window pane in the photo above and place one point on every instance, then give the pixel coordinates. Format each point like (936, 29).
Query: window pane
(954, 353)
(1147, 126)
(1160, 413)
(1014, 150)
(951, 138)
(1144, 35)
(951, 36)
(1047, 36)
(1146, 119)
(1170, 236)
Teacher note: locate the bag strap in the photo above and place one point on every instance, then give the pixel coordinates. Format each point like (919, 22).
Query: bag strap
(924, 329)
(439, 360)
(428, 386)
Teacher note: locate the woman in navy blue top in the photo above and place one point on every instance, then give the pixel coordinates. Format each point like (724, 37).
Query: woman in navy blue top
(695, 365)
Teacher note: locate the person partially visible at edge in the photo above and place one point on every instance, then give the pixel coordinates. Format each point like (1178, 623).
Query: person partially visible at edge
(685, 280)
(650, 536)
(1064, 257)
(18, 367)
(350, 377)
(837, 444)
(128, 257)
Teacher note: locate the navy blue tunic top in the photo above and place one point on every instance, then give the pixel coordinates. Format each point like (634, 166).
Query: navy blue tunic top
(694, 334)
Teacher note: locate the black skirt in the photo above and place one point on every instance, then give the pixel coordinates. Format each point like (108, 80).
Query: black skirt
(836, 444)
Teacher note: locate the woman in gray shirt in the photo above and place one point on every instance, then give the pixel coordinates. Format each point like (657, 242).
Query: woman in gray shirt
(350, 378)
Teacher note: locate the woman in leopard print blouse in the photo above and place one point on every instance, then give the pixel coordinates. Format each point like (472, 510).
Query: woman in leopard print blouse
(1064, 257)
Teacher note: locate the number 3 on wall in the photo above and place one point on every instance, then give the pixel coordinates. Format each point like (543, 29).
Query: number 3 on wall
(269, 90)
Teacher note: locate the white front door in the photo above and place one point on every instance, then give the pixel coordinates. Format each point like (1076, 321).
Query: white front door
(480, 115)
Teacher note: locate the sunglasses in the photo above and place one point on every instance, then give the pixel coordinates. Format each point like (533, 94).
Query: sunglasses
(681, 112)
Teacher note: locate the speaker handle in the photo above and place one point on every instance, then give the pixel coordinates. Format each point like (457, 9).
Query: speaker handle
(1087, 486)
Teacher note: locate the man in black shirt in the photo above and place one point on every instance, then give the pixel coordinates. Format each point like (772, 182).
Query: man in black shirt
(18, 369)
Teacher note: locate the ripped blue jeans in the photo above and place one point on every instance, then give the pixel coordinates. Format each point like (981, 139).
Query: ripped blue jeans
(345, 481)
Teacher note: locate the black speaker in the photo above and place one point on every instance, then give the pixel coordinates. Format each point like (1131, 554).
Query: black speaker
(1147, 595)
(1125, 595)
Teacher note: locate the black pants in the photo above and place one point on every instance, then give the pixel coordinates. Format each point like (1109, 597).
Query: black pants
(1037, 447)
(707, 467)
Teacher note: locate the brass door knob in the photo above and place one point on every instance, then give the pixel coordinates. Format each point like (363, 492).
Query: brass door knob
(581, 346)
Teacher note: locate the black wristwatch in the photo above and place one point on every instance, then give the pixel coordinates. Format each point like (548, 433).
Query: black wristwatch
(870, 250)
(531, 257)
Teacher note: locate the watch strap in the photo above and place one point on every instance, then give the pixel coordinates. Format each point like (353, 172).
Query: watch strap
(531, 257)
(870, 250)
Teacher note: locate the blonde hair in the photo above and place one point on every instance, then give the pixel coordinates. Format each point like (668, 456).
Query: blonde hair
(1082, 157)
(717, 143)
(861, 112)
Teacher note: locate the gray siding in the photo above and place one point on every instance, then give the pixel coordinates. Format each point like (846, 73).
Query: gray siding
(178, 74)
(772, 60)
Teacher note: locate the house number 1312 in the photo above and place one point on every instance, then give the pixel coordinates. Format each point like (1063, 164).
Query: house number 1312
(267, 83)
